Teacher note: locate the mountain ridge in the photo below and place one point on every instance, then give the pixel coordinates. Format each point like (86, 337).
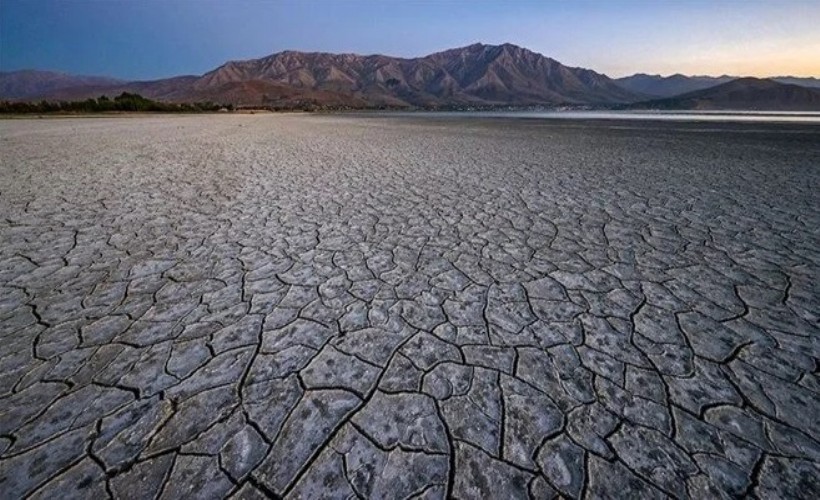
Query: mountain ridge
(28, 83)
(476, 74)
(748, 93)
(659, 86)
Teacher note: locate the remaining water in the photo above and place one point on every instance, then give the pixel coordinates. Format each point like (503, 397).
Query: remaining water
(698, 116)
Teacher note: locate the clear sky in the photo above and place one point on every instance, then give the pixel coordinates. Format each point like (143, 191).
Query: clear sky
(143, 39)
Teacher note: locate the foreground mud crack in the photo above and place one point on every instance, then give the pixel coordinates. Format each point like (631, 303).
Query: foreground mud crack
(396, 307)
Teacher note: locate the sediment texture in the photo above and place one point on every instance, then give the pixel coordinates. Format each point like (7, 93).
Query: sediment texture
(393, 307)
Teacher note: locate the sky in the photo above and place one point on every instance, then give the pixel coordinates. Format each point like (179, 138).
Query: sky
(146, 39)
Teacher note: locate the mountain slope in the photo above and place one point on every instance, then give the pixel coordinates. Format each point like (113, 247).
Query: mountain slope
(32, 83)
(743, 94)
(808, 81)
(473, 75)
(670, 86)
(476, 74)
(240, 93)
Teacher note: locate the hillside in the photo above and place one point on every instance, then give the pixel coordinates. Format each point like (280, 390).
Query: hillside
(743, 94)
(477, 75)
(674, 85)
(26, 84)
(474, 75)
(669, 86)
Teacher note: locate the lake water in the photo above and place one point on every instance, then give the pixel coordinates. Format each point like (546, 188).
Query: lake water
(681, 116)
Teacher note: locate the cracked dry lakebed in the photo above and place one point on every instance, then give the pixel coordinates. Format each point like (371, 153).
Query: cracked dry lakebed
(390, 306)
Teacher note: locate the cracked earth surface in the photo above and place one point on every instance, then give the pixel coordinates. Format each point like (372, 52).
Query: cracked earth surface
(336, 306)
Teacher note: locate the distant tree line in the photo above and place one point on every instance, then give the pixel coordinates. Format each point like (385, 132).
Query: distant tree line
(123, 102)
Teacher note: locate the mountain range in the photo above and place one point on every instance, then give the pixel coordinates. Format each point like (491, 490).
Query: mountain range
(668, 86)
(32, 83)
(475, 75)
(742, 93)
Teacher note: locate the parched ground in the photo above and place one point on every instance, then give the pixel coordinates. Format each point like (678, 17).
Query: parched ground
(388, 307)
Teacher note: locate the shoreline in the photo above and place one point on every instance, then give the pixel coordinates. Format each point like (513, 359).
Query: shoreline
(704, 117)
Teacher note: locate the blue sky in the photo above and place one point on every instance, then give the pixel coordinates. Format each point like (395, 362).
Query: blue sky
(143, 39)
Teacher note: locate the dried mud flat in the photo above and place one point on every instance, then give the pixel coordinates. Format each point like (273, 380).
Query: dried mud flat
(393, 307)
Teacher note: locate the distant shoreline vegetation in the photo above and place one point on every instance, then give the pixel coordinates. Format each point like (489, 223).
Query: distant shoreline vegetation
(135, 103)
(124, 102)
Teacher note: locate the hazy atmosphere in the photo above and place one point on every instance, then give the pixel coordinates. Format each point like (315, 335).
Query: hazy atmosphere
(161, 38)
